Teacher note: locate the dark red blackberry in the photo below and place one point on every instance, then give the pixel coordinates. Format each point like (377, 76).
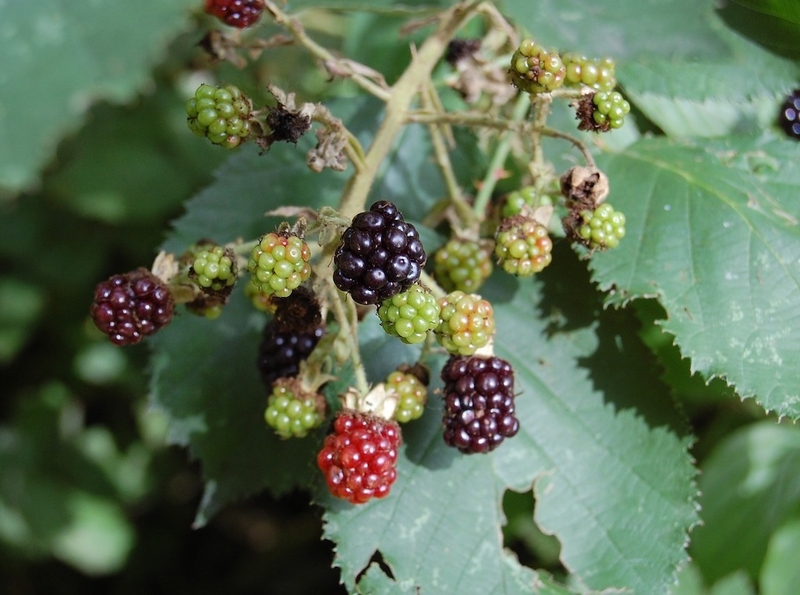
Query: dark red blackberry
(236, 13)
(131, 306)
(380, 255)
(789, 118)
(478, 403)
(281, 351)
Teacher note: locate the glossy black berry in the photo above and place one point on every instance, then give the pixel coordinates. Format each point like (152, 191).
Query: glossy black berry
(281, 351)
(478, 403)
(380, 255)
(789, 117)
(131, 306)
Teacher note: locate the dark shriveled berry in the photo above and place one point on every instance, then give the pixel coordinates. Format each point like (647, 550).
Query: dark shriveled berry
(478, 403)
(281, 351)
(380, 255)
(131, 306)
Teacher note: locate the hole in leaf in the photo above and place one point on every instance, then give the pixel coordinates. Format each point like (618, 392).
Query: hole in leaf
(377, 558)
(523, 536)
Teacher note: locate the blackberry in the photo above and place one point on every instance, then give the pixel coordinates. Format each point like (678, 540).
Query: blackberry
(222, 114)
(522, 246)
(279, 263)
(214, 267)
(359, 456)
(529, 197)
(462, 265)
(411, 393)
(380, 255)
(601, 111)
(130, 306)
(466, 323)
(599, 74)
(596, 229)
(478, 399)
(410, 314)
(789, 117)
(236, 13)
(292, 411)
(535, 69)
(281, 351)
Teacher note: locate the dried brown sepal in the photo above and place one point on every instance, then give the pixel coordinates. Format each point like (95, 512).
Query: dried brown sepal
(584, 112)
(584, 188)
(459, 49)
(330, 150)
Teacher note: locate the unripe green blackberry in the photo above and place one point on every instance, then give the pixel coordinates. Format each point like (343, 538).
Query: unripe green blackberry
(410, 314)
(214, 267)
(528, 196)
(466, 323)
(462, 265)
(601, 111)
(602, 228)
(411, 393)
(535, 69)
(265, 302)
(279, 263)
(222, 114)
(292, 411)
(599, 74)
(522, 246)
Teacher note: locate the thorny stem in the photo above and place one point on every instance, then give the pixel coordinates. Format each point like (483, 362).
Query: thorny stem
(296, 29)
(402, 93)
(486, 121)
(348, 323)
(463, 209)
(431, 284)
(499, 158)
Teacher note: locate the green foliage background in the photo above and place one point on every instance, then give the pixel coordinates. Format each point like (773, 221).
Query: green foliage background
(632, 369)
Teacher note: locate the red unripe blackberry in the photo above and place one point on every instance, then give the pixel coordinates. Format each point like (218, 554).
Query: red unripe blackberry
(380, 255)
(131, 306)
(478, 403)
(359, 456)
(789, 117)
(236, 13)
(281, 351)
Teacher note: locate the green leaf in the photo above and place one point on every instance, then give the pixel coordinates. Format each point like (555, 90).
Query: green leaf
(60, 57)
(615, 491)
(750, 486)
(712, 231)
(780, 573)
(21, 305)
(620, 29)
(773, 23)
(710, 97)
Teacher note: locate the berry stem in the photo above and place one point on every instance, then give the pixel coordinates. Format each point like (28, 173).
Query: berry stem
(348, 329)
(294, 27)
(432, 102)
(431, 284)
(402, 93)
(499, 158)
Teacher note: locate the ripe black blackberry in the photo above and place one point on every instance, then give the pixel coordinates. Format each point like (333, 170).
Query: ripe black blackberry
(130, 306)
(789, 117)
(478, 403)
(281, 351)
(380, 255)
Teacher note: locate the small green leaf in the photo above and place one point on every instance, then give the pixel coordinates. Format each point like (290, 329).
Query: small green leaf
(780, 573)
